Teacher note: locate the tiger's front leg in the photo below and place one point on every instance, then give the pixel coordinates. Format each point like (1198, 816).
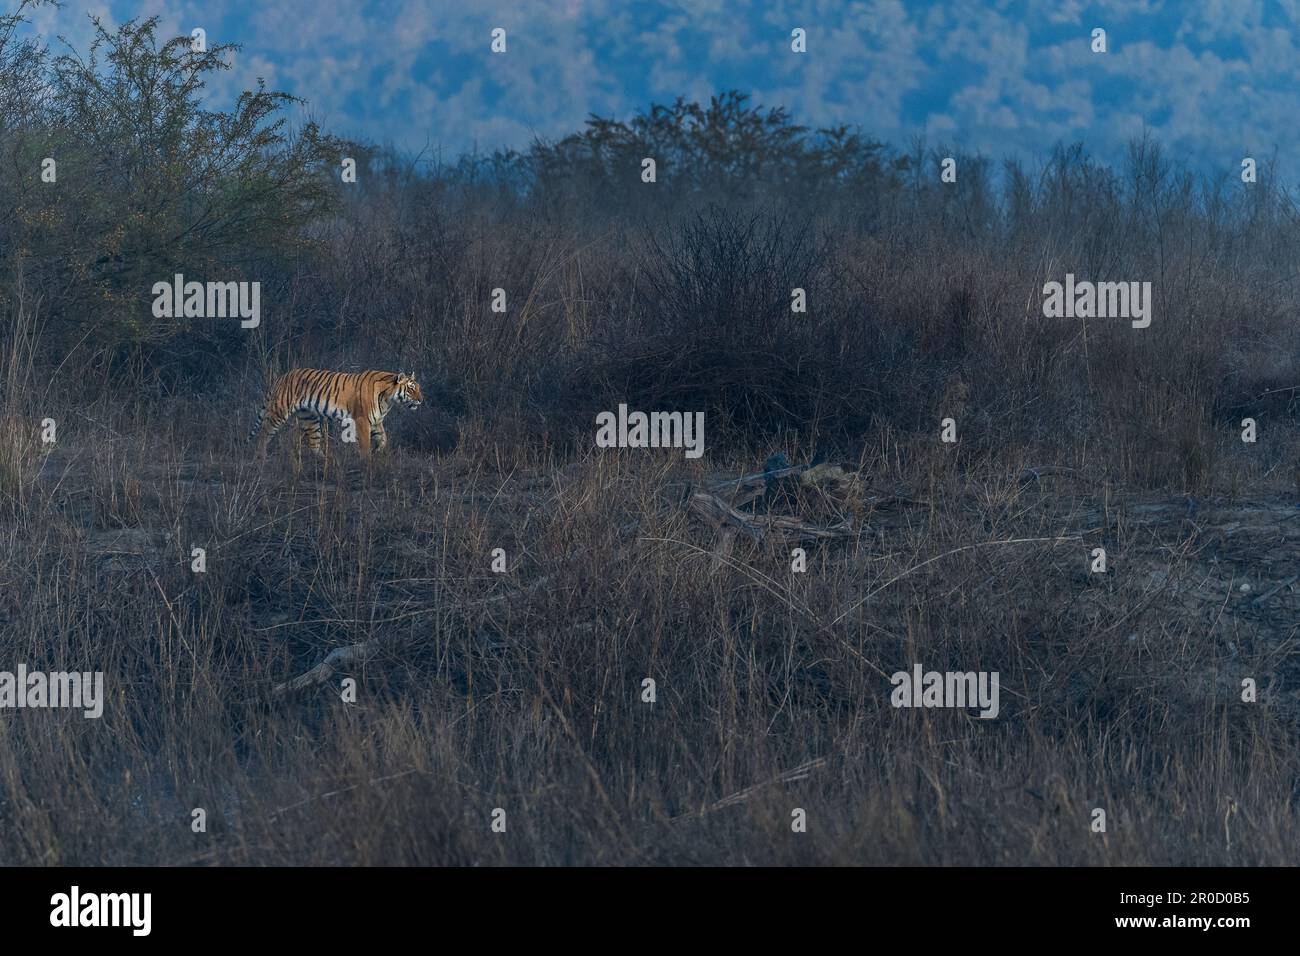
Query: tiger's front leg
(362, 427)
(378, 437)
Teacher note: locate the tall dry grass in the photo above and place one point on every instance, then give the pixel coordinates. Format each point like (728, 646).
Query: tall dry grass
(523, 690)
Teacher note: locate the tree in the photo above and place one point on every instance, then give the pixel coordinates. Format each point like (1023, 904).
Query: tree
(151, 181)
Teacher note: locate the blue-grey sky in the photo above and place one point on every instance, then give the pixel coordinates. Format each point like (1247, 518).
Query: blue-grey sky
(1213, 81)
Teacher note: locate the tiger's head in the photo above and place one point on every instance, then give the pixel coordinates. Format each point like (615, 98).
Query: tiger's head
(407, 391)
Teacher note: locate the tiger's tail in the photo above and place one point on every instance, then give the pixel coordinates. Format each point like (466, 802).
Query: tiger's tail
(257, 424)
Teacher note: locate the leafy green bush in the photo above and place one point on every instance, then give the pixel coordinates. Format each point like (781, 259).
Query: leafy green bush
(151, 181)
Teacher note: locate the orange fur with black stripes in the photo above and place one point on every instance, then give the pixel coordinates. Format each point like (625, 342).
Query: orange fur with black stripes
(313, 396)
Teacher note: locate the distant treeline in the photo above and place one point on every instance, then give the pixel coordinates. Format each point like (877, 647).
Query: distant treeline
(680, 287)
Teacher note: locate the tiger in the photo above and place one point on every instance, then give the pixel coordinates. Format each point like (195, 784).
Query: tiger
(311, 396)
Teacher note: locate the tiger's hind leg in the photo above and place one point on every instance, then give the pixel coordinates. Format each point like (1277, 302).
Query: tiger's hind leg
(310, 430)
(269, 423)
(311, 434)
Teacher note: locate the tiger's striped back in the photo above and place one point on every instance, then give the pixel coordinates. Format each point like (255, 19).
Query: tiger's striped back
(315, 396)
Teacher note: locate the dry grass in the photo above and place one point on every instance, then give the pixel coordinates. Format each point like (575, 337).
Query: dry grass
(523, 690)
(1118, 691)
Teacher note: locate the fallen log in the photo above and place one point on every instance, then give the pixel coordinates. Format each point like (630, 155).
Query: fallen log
(739, 491)
(1039, 472)
(756, 527)
(363, 651)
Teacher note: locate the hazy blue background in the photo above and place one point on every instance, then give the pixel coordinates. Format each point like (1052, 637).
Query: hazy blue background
(1213, 81)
